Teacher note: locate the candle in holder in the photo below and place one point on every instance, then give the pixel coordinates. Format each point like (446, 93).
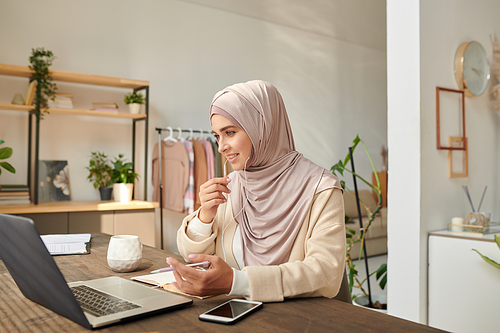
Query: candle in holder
(456, 224)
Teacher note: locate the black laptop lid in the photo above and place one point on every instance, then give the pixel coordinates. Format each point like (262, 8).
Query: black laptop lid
(33, 269)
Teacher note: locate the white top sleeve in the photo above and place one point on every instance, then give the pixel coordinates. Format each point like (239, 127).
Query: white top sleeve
(240, 283)
(198, 231)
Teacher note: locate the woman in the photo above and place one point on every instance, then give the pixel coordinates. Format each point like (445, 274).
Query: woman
(273, 228)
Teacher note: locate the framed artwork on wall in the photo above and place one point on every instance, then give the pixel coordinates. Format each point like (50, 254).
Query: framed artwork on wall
(458, 161)
(450, 118)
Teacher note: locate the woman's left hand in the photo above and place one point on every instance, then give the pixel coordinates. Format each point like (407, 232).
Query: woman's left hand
(218, 279)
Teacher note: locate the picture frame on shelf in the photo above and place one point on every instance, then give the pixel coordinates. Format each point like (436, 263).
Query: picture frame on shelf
(53, 181)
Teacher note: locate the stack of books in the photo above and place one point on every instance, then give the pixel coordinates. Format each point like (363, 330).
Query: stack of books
(106, 107)
(61, 101)
(30, 95)
(14, 195)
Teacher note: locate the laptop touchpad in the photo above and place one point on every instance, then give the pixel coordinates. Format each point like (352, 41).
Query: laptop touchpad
(124, 288)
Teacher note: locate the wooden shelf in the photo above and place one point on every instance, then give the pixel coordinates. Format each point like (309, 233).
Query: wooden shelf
(78, 78)
(63, 76)
(94, 113)
(15, 107)
(76, 206)
(81, 112)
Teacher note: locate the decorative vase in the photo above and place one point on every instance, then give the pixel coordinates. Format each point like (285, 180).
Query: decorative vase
(18, 99)
(123, 192)
(105, 192)
(135, 108)
(363, 302)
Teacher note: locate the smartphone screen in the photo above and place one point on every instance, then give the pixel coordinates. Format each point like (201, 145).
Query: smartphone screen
(230, 311)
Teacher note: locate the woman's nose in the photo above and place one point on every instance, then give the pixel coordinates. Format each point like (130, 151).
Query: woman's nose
(223, 146)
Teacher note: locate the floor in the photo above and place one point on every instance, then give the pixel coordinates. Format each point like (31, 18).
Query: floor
(373, 264)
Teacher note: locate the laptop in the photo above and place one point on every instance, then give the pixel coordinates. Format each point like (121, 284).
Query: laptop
(40, 280)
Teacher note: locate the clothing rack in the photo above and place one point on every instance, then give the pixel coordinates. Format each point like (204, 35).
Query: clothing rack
(171, 130)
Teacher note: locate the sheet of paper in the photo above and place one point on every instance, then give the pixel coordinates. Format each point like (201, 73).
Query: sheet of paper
(66, 238)
(68, 248)
(67, 243)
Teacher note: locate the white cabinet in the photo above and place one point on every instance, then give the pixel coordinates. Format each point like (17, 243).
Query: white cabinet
(464, 291)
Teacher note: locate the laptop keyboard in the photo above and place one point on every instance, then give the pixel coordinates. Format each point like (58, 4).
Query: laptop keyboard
(100, 304)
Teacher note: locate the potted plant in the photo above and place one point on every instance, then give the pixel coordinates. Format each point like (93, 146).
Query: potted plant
(5, 153)
(100, 174)
(365, 298)
(488, 260)
(40, 61)
(134, 100)
(123, 177)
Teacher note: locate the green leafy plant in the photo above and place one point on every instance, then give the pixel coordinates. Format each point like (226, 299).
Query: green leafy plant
(5, 153)
(40, 61)
(134, 97)
(123, 172)
(488, 260)
(99, 170)
(351, 237)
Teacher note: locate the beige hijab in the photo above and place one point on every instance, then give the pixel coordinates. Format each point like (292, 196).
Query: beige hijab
(279, 183)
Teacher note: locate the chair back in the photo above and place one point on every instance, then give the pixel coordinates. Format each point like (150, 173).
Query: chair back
(344, 295)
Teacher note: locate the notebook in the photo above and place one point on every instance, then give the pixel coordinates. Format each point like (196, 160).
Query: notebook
(40, 280)
(65, 244)
(163, 280)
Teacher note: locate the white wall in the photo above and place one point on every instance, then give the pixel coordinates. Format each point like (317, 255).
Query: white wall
(403, 103)
(432, 31)
(332, 80)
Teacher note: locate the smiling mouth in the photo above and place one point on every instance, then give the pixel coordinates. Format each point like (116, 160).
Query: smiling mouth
(231, 157)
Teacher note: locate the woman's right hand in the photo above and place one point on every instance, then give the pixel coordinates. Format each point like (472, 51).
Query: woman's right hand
(211, 196)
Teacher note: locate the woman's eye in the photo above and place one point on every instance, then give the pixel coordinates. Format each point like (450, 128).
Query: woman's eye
(230, 133)
(216, 137)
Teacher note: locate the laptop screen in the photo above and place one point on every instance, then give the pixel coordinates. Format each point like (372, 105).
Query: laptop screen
(34, 270)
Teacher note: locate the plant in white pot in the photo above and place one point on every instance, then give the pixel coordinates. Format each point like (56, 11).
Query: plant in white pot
(134, 100)
(365, 298)
(123, 176)
(100, 174)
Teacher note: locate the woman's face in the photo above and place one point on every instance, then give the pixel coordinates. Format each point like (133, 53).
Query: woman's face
(234, 142)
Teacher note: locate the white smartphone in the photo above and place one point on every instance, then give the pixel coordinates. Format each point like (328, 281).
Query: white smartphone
(230, 311)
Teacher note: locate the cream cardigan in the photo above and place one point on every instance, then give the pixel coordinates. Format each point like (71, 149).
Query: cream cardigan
(316, 263)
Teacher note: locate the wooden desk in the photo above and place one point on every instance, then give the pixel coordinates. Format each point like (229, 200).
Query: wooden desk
(296, 315)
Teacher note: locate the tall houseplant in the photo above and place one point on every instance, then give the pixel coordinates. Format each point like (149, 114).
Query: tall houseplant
(100, 174)
(40, 61)
(351, 237)
(123, 177)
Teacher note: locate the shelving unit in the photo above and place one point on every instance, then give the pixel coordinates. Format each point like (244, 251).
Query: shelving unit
(79, 78)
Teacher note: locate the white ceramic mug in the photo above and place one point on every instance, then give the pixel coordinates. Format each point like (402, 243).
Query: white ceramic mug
(124, 253)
